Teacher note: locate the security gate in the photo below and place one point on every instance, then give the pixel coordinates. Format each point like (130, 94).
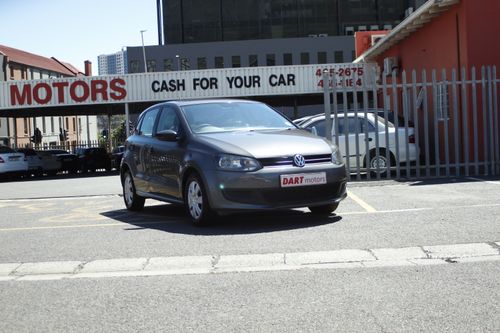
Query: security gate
(415, 125)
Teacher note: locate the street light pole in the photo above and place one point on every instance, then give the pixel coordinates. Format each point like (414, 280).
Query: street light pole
(178, 62)
(144, 51)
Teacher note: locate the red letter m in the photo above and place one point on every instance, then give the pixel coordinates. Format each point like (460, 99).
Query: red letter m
(17, 98)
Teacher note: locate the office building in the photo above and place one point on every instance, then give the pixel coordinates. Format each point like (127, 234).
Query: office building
(115, 63)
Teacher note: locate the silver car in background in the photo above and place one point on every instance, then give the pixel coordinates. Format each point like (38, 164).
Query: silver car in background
(223, 156)
(367, 141)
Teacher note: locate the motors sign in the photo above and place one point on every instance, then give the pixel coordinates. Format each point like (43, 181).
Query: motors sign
(160, 86)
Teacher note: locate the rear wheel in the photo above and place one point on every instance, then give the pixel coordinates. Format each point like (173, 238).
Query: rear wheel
(196, 201)
(379, 164)
(324, 209)
(132, 201)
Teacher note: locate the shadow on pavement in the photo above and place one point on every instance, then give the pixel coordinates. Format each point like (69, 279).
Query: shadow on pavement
(173, 219)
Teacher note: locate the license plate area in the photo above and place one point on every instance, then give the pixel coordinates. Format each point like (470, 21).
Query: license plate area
(303, 179)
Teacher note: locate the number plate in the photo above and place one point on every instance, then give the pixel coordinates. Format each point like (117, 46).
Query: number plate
(303, 179)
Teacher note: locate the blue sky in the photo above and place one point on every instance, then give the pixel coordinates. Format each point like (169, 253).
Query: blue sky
(77, 30)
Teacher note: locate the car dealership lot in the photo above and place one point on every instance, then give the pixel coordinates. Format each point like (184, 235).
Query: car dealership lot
(396, 256)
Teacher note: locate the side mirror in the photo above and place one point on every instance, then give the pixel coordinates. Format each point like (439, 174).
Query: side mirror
(167, 135)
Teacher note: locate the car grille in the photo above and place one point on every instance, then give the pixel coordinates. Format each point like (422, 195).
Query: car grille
(288, 160)
(286, 196)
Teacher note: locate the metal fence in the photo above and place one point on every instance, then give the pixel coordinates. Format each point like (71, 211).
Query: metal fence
(446, 124)
(69, 146)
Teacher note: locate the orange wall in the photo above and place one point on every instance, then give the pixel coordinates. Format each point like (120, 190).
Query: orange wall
(467, 35)
(483, 34)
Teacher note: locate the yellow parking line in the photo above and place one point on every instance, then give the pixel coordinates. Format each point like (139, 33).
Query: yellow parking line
(360, 202)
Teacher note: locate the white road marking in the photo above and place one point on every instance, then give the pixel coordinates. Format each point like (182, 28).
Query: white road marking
(189, 265)
(485, 181)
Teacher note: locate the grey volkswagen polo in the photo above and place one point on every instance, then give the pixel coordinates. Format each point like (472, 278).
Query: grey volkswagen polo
(223, 156)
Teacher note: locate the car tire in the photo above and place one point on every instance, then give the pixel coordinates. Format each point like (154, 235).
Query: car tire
(381, 162)
(196, 202)
(324, 209)
(132, 201)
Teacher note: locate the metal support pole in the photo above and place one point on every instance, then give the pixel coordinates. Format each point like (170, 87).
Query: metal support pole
(127, 120)
(327, 102)
(144, 51)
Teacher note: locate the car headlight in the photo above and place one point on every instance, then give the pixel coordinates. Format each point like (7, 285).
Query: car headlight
(337, 156)
(237, 163)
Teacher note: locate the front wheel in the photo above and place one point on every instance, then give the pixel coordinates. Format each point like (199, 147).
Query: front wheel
(133, 201)
(324, 209)
(196, 201)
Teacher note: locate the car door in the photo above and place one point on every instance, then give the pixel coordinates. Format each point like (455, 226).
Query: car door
(139, 146)
(167, 154)
(355, 139)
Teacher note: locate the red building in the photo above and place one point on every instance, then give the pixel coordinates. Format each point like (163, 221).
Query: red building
(458, 39)
(442, 34)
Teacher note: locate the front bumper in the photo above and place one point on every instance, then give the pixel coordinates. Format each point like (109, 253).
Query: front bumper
(261, 190)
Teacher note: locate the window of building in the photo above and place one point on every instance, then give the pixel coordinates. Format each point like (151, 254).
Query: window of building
(25, 126)
(270, 59)
(134, 66)
(44, 125)
(287, 59)
(202, 63)
(304, 58)
(185, 65)
(67, 123)
(219, 62)
(51, 124)
(74, 124)
(168, 65)
(236, 61)
(151, 65)
(253, 60)
(339, 57)
(322, 57)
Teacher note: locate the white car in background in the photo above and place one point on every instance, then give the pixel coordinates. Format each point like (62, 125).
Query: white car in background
(35, 165)
(361, 153)
(12, 163)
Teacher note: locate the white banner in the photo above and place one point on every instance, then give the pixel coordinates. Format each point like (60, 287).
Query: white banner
(160, 86)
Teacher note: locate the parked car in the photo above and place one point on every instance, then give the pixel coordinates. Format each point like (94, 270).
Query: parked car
(222, 156)
(116, 157)
(50, 164)
(12, 163)
(93, 159)
(35, 164)
(69, 162)
(357, 140)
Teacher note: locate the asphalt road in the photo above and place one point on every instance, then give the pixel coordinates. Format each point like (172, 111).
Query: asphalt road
(454, 287)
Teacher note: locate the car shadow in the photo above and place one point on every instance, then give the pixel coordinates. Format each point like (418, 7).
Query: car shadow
(173, 219)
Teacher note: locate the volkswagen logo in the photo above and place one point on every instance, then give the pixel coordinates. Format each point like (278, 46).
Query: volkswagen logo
(299, 160)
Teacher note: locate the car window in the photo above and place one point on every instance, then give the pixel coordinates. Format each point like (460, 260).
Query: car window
(355, 125)
(5, 150)
(319, 127)
(148, 122)
(233, 116)
(168, 120)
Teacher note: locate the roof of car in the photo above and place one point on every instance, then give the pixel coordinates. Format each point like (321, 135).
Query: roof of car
(209, 101)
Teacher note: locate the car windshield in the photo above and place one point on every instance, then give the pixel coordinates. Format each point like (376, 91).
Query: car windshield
(233, 116)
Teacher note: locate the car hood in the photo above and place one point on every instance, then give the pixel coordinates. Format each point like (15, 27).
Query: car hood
(267, 143)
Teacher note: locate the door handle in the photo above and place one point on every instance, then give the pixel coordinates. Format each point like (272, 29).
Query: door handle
(368, 139)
